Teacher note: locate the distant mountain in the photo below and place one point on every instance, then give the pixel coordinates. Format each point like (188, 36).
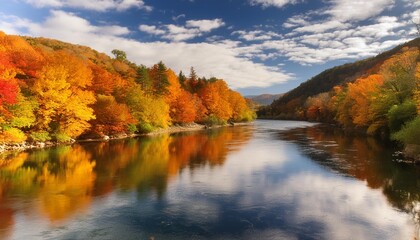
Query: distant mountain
(264, 99)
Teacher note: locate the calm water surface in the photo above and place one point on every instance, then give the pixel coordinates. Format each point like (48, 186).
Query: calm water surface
(271, 180)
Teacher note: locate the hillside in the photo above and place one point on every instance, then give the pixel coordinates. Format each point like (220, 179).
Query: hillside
(326, 80)
(285, 106)
(379, 96)
(56, 91)
(264, 99)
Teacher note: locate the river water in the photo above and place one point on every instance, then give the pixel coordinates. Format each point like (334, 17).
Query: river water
(268, 180)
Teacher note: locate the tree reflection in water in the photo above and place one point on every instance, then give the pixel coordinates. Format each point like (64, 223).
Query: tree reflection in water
(364, 158)
(60, 182)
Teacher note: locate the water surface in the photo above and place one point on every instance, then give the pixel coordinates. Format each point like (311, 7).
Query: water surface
(270, 180)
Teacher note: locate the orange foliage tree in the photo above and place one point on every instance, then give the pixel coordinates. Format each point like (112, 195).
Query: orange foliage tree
(215, 97)
(111, 117)
(361, 93)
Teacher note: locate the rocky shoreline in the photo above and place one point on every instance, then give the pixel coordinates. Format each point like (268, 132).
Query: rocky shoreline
(412, 152)
(173, 129)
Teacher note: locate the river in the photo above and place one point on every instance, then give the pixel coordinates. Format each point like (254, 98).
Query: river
(268, 180)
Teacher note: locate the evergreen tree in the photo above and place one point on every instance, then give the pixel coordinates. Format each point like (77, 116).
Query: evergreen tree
(159, 79)
(182, 78)
(144, 80)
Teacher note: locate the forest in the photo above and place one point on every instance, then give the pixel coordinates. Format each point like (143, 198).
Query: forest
(378, 96)
(56, 91)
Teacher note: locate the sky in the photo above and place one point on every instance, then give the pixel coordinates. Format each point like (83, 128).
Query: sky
(256, 46)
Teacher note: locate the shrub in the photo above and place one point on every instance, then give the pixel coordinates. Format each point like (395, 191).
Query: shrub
(212, 120)
(61, 137)
(40, 136)
(409, 134)
(146, 128)
(132, 128)
(398, 115)
(12, 135)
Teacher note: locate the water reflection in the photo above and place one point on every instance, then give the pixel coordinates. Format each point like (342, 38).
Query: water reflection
(267, 181)
(363, 158)
(59, 182)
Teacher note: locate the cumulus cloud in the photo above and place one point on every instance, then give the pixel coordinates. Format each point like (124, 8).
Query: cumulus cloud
(221, 59)
(412, 3)
(356, 10)
(255, 35)
(273, 3)
(192, 29)
(151, 29)
(345, 29)
(96, 5)
(205, 25)
(322, 26)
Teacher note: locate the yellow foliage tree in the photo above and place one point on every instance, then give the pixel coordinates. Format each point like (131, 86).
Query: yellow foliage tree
(153, 111)
(62, 96)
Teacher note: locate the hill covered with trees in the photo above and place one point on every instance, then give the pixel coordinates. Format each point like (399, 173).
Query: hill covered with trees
(264, 99)
(51, 90)
(379, 95)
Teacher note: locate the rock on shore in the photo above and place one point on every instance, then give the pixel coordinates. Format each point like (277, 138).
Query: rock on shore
(412, 151)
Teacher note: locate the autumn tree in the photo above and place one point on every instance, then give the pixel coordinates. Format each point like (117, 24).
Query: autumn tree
(173, 88)
(360, 94)
(103, 82)
(183, 110)
(318, 107)
(417, 92)
(399, 74)
(111, 117)
(215, 97)
(149, 111)
(62, 96)
(22, 56)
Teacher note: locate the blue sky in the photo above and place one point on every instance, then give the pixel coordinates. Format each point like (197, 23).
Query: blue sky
(257, 46)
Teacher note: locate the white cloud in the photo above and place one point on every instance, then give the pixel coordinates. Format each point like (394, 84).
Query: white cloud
(205, 25)
(322, 26)
(273, 3)
(59, 18)
(256, 35)
(221, 59)
(96, 5)
(151, 29)
(342, 34)
(192, 29)
(295, 21)
(412, 3)
(356, 10)
(179, 33)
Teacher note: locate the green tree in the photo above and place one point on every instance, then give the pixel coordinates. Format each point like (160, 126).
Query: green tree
(159, 79)
(144, 80)
(182, 78)
(119, 55)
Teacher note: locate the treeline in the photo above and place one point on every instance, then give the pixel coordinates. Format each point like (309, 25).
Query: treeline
(50, 90)
(384, 102)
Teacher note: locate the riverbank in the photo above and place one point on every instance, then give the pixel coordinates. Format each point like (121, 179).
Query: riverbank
(172, 129)
(409, 153)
